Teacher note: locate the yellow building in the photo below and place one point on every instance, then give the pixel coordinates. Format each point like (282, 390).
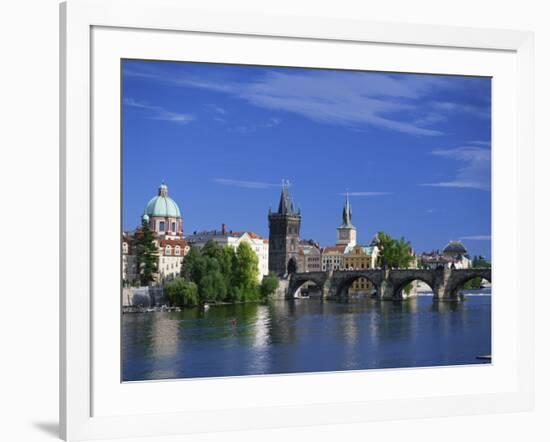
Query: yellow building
(360, 258)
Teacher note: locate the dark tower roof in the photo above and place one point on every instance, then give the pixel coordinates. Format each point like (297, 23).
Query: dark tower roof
(346, 213)
(286, 205)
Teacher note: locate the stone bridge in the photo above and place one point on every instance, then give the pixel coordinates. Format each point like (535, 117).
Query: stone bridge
(388, 283)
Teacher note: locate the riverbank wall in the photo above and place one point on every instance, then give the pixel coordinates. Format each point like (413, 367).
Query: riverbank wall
(142, 296)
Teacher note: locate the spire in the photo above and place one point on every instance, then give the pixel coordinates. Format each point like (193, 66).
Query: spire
(286, 205)
(346, 213)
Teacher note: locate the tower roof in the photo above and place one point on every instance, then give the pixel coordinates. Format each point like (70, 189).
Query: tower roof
(286, 204)
(346, 214)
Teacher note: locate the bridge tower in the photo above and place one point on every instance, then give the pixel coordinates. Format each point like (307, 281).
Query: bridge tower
(346, 233)
(284, 235)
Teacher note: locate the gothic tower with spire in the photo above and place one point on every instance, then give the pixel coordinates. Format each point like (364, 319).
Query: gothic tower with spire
(284, 235)
(346, 233)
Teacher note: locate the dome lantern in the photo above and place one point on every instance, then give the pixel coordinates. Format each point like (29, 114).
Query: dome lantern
(163, 190)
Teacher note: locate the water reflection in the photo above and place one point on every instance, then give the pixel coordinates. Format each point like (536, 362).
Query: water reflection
(305, 335)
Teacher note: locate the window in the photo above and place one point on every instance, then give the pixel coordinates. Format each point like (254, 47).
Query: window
(173, 227)
(168, 250)
(177, 250)
(161, 226)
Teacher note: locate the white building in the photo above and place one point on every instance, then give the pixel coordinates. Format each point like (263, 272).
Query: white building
(332, 258)
(223, 237)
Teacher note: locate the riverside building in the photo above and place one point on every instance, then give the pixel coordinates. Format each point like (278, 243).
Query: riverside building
(454, 255)
(162, 215)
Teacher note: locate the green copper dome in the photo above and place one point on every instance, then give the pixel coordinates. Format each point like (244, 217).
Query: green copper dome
(162, 205)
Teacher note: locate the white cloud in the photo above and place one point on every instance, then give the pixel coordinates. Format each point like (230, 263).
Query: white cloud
(337, 97)
(364, 193)
(481, 143)
(477, 238)
(245, 184)
(475, 172)
(159, 113)
(476, 111)
(247, 128)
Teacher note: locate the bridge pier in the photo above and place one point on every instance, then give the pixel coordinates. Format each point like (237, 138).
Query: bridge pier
(386, 291)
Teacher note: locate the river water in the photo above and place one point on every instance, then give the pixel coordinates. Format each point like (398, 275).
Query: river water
(305, 335)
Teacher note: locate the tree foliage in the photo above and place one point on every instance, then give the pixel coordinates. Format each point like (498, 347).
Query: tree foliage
(394, 253)
(479, 262)
(223, 274)
(146, 254)
(181, 293)
(269, 285)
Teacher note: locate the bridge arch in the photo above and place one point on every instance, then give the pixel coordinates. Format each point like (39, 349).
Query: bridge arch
(401, 284)
(299, 280)
(345, 283)
(460, 277)
(400, 278)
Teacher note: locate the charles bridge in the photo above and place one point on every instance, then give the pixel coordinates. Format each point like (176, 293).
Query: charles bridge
(388, 283)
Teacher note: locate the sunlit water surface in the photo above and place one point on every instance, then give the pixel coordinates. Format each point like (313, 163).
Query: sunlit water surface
(305, 336)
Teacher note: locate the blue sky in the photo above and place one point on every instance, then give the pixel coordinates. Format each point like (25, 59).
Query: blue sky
(413, 151)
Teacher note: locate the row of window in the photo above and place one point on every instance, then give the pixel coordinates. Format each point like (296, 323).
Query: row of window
(162, 224)
(168, 250)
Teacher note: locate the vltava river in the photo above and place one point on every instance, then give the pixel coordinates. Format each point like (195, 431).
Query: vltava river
(305, 336)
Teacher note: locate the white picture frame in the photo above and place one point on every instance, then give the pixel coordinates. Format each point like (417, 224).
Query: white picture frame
(80, 378)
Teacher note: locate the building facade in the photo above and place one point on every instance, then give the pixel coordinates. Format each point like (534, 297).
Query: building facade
(162, 215)
(453, 256)
(225, 237)
(284, 236)
(358, 258)
(309, 256)
(333, 258)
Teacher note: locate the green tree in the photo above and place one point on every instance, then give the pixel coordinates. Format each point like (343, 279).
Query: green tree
(212, 285)
(181, 293)
(394, 253)
(194, 266)
(146, 254)
(246, 273)
(480, 262)
(269, 285)
(223, 274)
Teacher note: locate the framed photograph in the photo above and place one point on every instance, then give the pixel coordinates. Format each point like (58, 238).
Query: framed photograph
(298, 220)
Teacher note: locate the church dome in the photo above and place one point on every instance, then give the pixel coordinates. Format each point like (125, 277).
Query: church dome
(162, 205)
(455, 248)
